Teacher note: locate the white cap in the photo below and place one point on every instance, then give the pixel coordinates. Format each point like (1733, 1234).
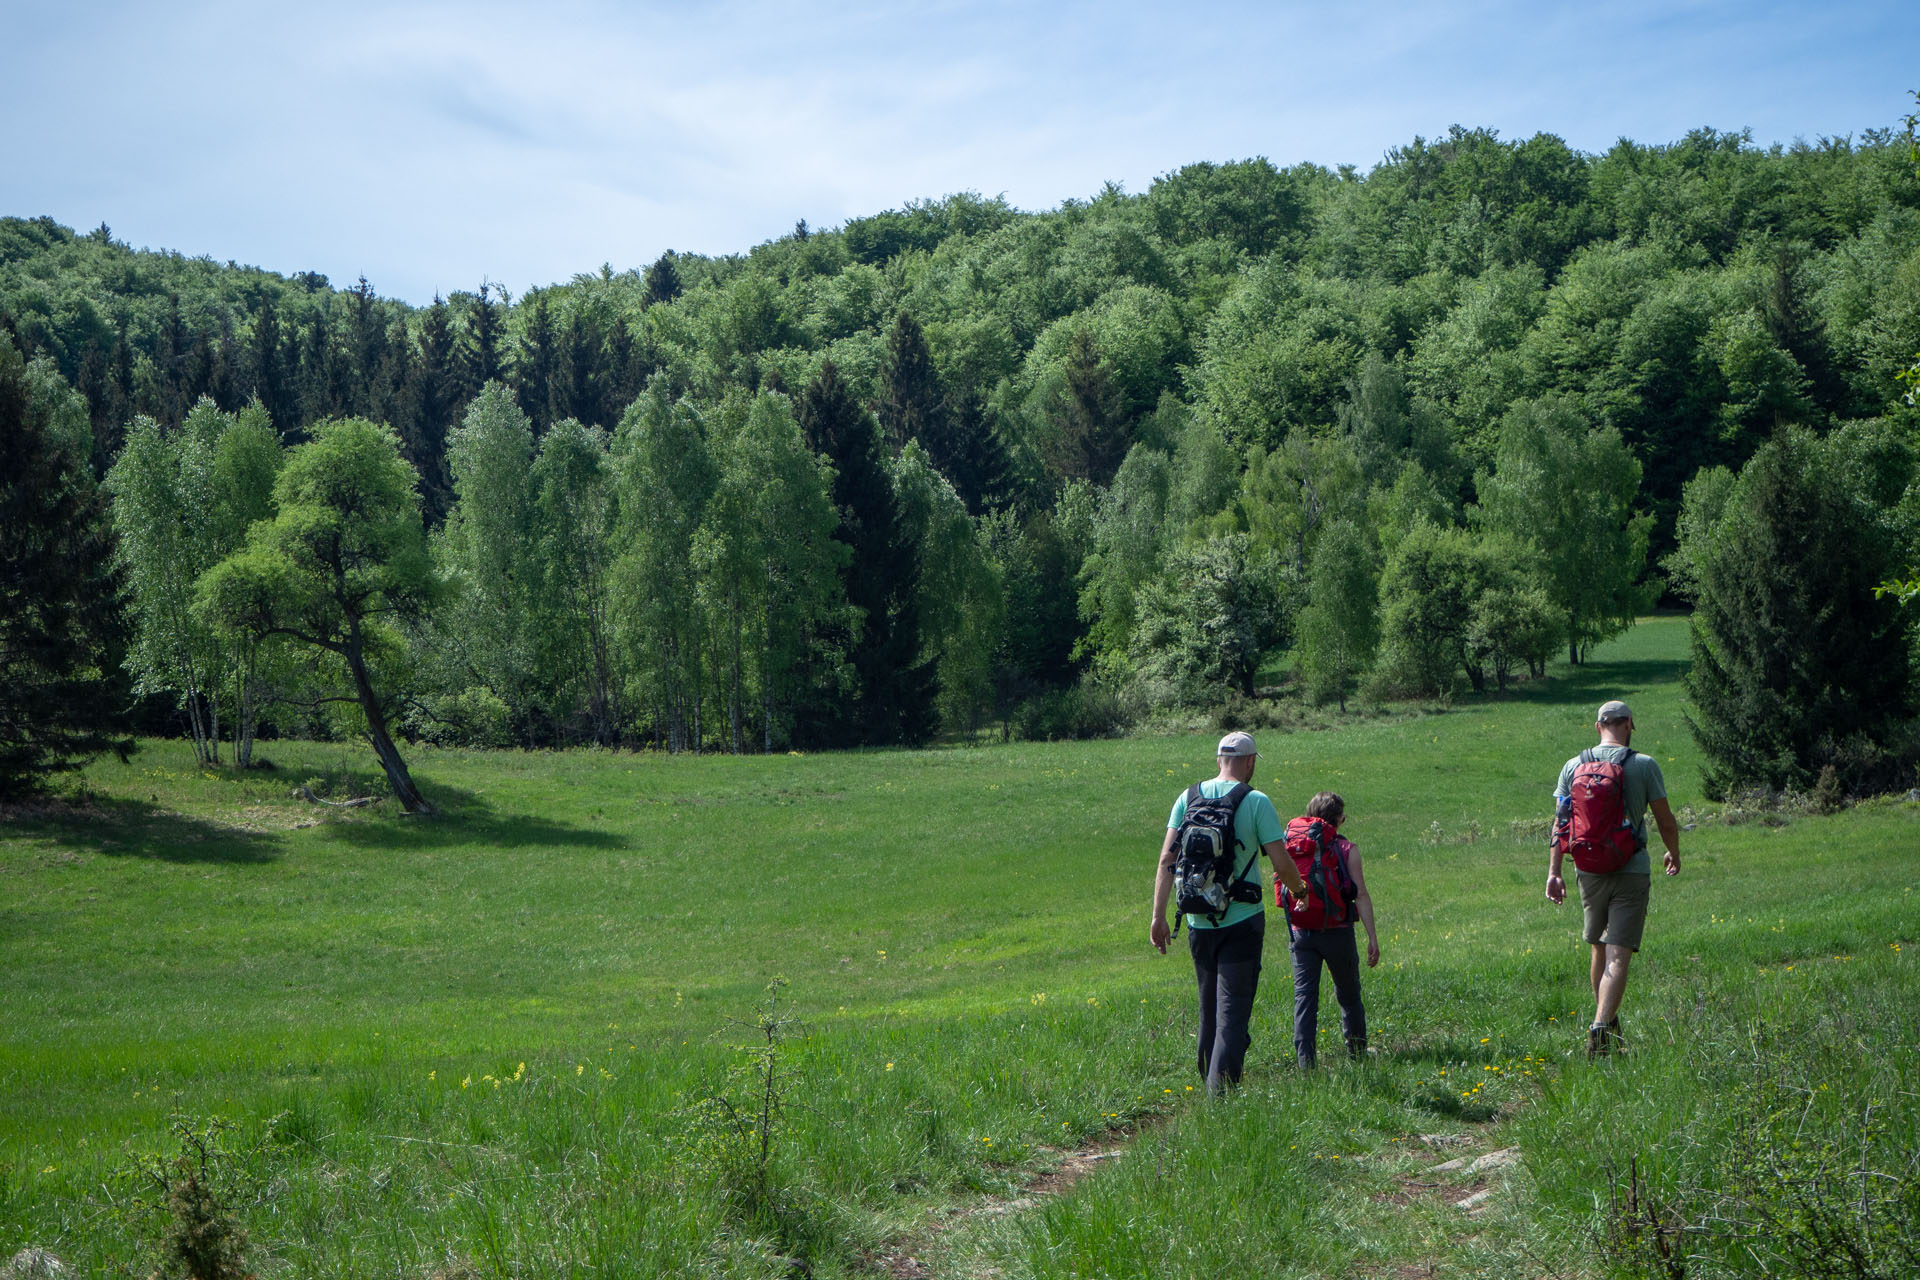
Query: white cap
(1237, 744)
(1611, 711)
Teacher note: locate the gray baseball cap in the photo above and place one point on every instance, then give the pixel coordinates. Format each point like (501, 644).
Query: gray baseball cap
(1237, 744)
(1615, 710)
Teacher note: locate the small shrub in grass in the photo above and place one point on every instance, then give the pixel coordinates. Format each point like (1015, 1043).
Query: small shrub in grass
(1091, 709)
(1785, 1193)
(730, 1138)
(186, 1204)
(1828, 796)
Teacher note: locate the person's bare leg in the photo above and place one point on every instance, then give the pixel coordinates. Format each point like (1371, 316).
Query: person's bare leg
(1597, 969)
(1610, 982)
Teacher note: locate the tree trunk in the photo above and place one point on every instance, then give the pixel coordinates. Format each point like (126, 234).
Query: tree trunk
(390, 762)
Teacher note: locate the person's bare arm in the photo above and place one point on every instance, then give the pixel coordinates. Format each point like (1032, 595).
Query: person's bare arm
(1669, 832)
(1363, 902)
(1556, 887)
(1158, 932)
(1283, 869)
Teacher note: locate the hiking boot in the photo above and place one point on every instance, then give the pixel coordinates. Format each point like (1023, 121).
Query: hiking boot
(1616, 1043)
(1357, 1048)
(1598, 1045)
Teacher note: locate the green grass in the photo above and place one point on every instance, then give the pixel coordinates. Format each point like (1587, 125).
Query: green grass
(964, 932)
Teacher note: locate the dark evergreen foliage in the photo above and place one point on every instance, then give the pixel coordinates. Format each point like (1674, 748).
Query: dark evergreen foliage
(536, 387)
(663, 281)
(895, 682)
(483, 354)
(1089, 416)
(911, 406)
(59, 597)
(966, 449)
(438, 398)
(1798, 663)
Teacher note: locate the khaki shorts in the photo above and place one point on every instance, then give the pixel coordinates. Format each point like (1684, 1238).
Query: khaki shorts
(1615, 907)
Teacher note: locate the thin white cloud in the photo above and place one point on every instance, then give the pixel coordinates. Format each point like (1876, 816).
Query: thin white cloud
(430, 145)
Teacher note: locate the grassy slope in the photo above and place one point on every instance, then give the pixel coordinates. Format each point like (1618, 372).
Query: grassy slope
(964, 932)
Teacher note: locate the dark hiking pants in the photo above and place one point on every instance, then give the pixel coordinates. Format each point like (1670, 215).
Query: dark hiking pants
(1336, 949)
(1226, 963)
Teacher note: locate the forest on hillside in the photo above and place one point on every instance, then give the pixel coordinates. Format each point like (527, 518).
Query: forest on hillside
(956, 465)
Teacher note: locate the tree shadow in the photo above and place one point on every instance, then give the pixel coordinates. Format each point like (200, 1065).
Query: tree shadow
(463, 817)
(137, 829)
(1594, 682)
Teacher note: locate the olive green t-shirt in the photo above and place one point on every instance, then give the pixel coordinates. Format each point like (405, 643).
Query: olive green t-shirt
(1641, 784)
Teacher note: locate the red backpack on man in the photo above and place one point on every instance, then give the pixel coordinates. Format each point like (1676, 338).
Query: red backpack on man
(1598, 834)
(1319, 854)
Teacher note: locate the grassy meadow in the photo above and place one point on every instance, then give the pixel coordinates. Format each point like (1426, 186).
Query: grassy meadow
(490, 1044)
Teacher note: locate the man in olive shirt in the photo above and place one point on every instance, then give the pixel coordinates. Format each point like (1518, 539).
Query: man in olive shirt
(1226, 954)
(1615, 903)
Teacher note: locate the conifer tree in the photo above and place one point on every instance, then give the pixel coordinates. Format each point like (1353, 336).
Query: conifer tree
(484, 355)
(395, 392)
(1088, 415)
(911, 406)
(969, 452)
(663, 281)
(1797, 661)
(59, 596)
(577, 384)
(436, 402)
(538, 365)
(322, 392)
(366, 340)
(894, 681)
(271, 382)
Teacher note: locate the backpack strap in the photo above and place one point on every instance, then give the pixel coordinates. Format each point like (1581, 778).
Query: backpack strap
(1233, 798)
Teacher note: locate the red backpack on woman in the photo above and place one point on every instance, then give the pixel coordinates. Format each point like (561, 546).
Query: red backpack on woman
(1319, 854)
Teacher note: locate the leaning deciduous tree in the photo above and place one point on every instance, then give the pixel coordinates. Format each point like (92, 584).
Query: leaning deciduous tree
(342, 561)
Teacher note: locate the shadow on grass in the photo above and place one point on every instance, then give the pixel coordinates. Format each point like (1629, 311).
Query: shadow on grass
(1594, 682)
(463, 817)
(136, 829)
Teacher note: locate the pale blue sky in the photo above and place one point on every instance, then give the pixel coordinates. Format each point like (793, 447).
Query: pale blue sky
(431, 145)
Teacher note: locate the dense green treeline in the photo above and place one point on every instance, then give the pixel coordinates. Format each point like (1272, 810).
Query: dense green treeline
(957, 464)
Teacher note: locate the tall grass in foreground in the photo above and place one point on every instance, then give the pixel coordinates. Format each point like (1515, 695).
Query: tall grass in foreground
(488, 1045)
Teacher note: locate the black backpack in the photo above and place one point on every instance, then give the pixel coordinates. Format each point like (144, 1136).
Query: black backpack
(1204, 848)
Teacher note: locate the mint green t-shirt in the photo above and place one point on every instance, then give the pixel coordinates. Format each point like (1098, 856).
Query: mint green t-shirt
(1255, 823)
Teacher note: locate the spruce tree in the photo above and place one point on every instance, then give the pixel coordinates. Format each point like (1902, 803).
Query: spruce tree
(895, 681)
(59, 596)
(436, 404)
(271, 382)
(1088, 415)
(366, 340)
(578, 380)
(663, 281)
(1797, 662)
(321, 392)
(484, 355)
(911, 406)
(970, 453)
(538, 364)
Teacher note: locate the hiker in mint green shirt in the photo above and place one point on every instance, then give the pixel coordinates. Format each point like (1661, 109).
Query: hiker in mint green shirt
(1226, 945)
